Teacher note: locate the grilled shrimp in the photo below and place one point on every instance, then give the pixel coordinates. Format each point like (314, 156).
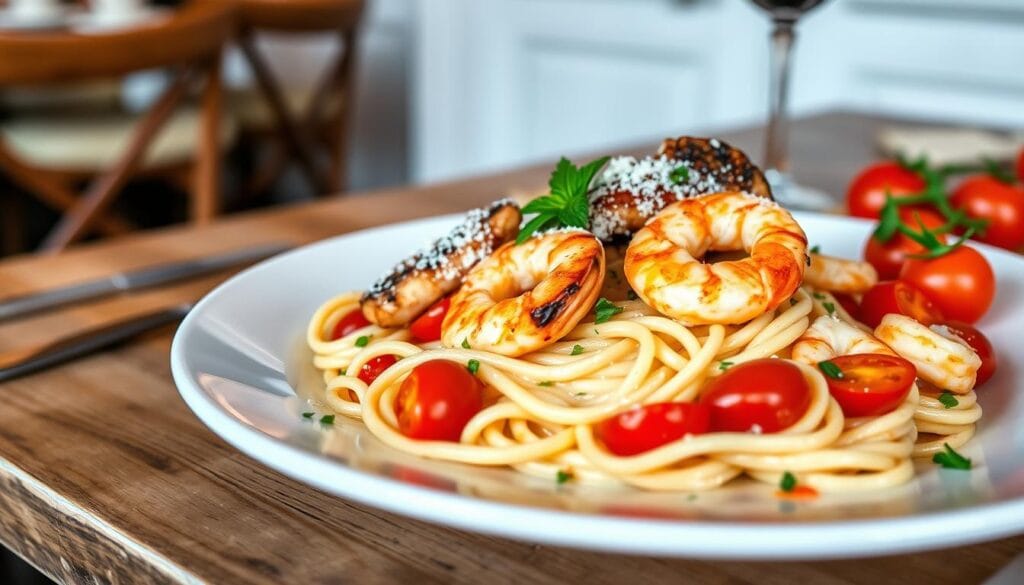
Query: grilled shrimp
(840, 275)
(421, 280)
(630, 191)
(829, 337)
(527, 296)
(939, 355)
(663, 261)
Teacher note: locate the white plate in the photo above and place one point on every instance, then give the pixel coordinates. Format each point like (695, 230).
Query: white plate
(240, 362)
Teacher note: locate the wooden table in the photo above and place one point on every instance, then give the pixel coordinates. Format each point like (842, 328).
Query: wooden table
(106, 476)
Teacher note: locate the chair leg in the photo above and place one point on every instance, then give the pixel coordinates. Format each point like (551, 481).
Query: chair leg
(12, 214)
(104, 188)
(205, 200)
(344, 82)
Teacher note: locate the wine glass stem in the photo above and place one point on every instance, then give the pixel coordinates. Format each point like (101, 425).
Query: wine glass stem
(777, 139)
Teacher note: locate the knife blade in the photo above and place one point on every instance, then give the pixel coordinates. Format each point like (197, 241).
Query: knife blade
(135, 280)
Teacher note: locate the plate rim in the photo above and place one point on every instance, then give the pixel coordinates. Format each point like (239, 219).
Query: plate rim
(670, 538)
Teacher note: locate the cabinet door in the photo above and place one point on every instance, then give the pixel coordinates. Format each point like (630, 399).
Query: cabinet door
(512, 81)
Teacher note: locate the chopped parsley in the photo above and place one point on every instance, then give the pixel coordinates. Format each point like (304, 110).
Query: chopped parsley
(679, 175)
(465, 344)
(950, 459)
(947, 399)
(815, 249)
(831, 370)
(605, 310)
(580, 394)
(788, 482)
(577, 349)
(363, 341)
(830, 307)
(563, 476)
(473, 366)
(724, 365)
(546, 383)
(343, 371)
(818, 295)
(327, 419)
(308, 414)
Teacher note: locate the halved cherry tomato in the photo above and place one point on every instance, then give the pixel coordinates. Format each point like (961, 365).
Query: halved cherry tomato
(981, 346)
(896, 296)
(866, 194)
(373, 368)
(849, 303)
(961, 283)
(871, 383)
(888, 257)
(427, 327)
(350, 322)
(646, 427)
(765, 395)
(1002, 204)
(437, 400)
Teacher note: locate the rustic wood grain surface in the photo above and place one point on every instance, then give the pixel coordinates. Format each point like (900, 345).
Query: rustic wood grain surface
(106, 476)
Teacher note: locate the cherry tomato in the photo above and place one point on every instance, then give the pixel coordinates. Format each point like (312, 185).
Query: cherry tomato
(866, 194)
(986, 197)
(349, 323)
(646, 427)
(872, 383)
(427, 327)
(961, 283)
(373, 368)
(896, 296)
(888, 257)
(849, 303)
(981, 346)
(437, 400)
(766, 394)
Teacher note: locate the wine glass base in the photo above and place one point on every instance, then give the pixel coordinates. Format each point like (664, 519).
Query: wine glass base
(795, 196)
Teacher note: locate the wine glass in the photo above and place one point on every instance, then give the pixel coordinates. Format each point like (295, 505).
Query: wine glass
(784, 14)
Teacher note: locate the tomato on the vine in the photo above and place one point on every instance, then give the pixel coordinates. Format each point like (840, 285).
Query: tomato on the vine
(960, 283)
(896, 296)
(650, 426)
(888, 257)
(350, 322)
(765, 395)
(1002, 204)
(436, 401)
(866, 194)
(870, 384)
(373, 368)
(427, 327)
(981, 346)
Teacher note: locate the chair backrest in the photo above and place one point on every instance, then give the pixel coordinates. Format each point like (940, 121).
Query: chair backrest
(301, 15)
(196, 31)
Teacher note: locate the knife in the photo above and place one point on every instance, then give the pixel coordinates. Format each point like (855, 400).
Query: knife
(21, 362)
(134, 280)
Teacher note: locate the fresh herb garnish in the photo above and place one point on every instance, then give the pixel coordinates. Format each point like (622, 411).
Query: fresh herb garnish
(605, 310)
(546, 383)
(567, 204)
(831, 370)
(679, 175)
(818, 295)
(343, 371)
(363, 341)
(465, 344)
(950, 459)
(563, 476)
(830, 307)
(947, 399)
(815, 249)
(788, 482)
(577, 350)
(724, 365)
(473, 366)
(327, 419)
(308, 414)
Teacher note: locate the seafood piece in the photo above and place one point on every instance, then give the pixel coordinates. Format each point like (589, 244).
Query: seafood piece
(828, 337)
(528, 296)
(664, 267)
(421, 280)
(630, 191)
(941, 358)
(840, 275)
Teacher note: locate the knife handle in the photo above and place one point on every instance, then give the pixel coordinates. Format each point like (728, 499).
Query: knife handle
(17, 363)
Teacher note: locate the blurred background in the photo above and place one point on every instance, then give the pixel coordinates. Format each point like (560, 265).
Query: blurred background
(441, 89)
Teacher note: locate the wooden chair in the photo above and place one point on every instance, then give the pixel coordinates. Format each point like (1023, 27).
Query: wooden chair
(45, 158)
(303, 124)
